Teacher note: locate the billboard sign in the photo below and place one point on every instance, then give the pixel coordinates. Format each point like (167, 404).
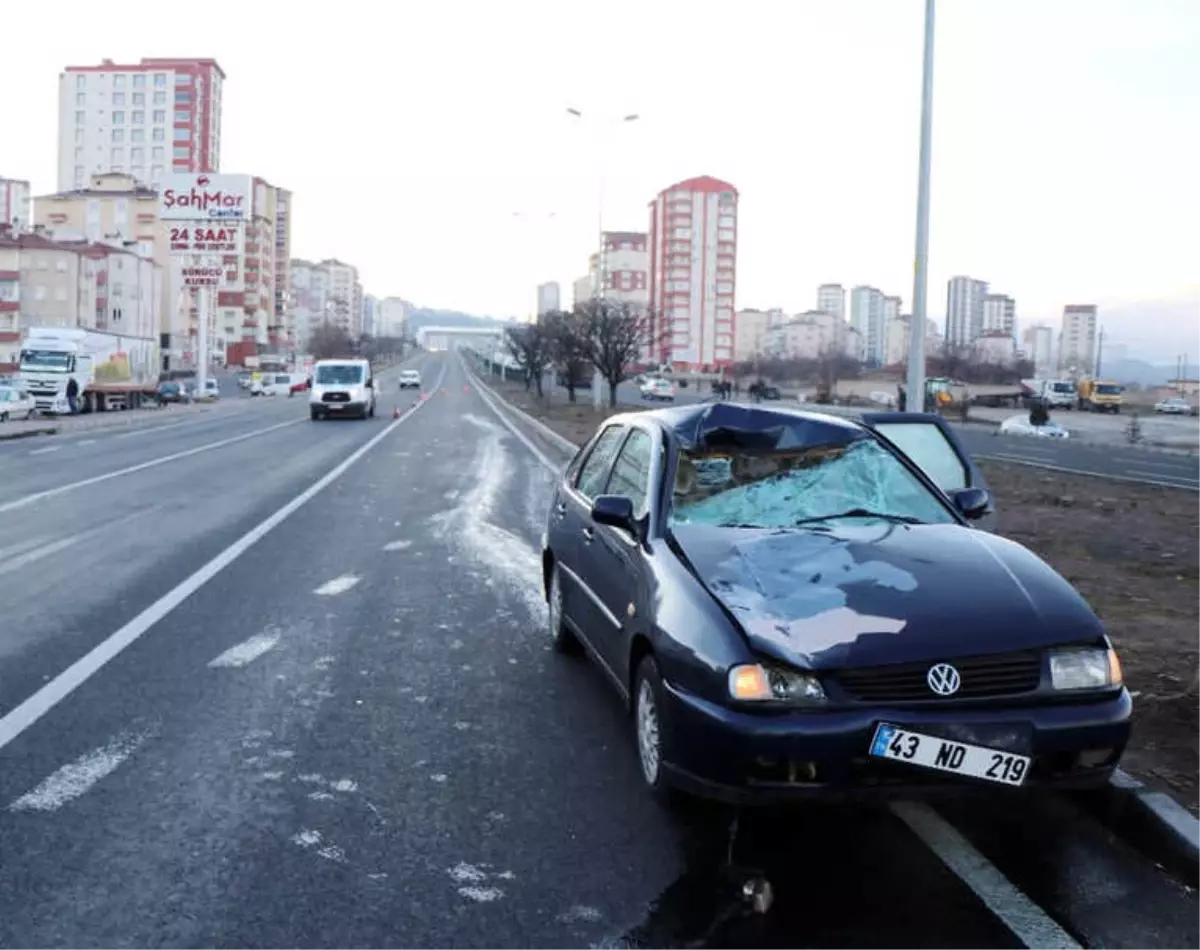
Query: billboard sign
(220, 237)
(204, 196)
(202, 276)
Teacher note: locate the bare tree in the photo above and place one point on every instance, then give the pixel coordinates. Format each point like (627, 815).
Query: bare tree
(329, 341)
(529, 345)
(566, 334)
(617, 336)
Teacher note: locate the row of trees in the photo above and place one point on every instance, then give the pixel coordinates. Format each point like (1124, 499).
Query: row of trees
(329, 341)
(603, 335)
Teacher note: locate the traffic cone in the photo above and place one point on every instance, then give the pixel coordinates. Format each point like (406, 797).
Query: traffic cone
(395, 412)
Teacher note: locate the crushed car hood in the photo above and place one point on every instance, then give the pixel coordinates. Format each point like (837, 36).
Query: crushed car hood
(870, 593)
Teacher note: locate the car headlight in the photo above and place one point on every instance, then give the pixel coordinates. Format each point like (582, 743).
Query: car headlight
(1085, 668)
(763, 683)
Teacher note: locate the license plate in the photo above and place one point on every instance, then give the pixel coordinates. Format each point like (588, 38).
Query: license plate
(946, 755)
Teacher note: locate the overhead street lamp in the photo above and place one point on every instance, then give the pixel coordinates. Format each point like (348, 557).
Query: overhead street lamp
(916, 339)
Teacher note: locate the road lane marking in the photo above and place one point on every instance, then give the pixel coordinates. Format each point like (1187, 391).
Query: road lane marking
(29, 557)
(75, 778)
(245, 652)
(141, 466)
(1028, 922)
(397, 545)
(87, 442)
(20, 718)
(49, 448)
(339, 585)
(1186, 483)
(1023, 917)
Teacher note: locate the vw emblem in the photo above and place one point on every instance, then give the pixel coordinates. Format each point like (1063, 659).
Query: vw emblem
(943, 679)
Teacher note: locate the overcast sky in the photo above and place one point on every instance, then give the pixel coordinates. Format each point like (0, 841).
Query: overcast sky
(428, 142)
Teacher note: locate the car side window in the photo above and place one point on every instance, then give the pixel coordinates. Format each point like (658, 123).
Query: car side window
(594, 471)
(934, 454)
(631, 473)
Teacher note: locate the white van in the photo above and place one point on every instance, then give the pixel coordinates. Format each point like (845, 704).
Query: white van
(341, 388)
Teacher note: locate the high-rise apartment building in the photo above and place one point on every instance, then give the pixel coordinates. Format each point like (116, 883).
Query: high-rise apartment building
(1077, 340)
(831, 298)
(145, 119)
(15, 207)
(868, 315)
(964, 310)
(1000, 315)
(1038, 344)
(548, 298)
(391, 317)
(693, 272)
(622, 272)
(327, 292)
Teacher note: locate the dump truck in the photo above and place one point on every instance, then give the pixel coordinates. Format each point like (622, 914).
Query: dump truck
(1100, 395)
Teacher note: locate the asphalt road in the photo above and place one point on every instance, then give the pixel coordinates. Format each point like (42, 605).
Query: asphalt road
(1089, 458)
(294, 690)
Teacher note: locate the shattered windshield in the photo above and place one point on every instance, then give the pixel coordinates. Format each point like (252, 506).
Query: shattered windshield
(344, 375)
(780, 489)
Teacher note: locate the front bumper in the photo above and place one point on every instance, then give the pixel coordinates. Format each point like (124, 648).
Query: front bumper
(750, 758)
(339, 408)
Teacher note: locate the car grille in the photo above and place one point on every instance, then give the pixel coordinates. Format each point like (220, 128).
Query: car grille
(1000, 674)
(335, 397)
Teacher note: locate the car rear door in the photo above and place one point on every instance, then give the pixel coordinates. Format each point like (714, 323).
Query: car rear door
(932, 444)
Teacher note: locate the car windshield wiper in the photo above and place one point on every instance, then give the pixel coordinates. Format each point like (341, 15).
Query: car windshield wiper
(862, 513)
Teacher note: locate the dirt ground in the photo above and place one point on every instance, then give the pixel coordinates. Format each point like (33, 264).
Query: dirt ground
(1133, 551)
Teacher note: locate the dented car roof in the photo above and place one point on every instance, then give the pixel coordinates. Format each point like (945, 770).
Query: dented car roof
(715, 425)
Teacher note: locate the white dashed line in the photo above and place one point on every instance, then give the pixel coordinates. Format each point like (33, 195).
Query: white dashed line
(339, 585)
(141, 466)
(75, 778)
(21, 717)
(246, 652)
(49, 448)
(397, 545)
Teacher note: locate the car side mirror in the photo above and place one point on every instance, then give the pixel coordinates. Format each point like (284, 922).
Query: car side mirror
(370, 384)
(972, 503)
(615, 511)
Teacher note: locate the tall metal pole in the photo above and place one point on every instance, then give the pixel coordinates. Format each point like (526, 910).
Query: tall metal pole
(202, 300)
(916, 339)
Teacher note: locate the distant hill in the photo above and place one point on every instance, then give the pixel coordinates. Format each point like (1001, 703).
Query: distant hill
(419, 317)
(1142, 373)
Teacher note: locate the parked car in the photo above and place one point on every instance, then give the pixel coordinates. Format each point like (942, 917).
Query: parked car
(1020, 425)
(658, 389)
(16, 404)
(1174, 406)
(795, 604)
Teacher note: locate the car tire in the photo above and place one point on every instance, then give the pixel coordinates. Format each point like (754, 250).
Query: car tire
(3, 417)
(314, 415)
(561, 637)
(648, 731)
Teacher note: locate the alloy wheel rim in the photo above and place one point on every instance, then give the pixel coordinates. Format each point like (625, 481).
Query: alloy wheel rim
(647, 727)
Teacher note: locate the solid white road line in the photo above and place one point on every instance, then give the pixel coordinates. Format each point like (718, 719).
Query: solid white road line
(26, 558)
(1023, 917)
(75, 778)
(1184, 484)
(141, 466)
(1031, 925)
(52, 693)
(247, 651)
(339, 585)
(49, 448)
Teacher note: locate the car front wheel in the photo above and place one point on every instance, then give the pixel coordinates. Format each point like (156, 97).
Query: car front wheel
(648, 730)
(563, 639)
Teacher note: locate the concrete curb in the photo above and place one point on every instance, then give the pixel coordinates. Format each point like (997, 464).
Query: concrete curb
(1152, 821)
(27, 433)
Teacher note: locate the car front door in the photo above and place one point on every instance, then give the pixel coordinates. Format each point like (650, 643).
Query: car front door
(573, 535)
(612, 563)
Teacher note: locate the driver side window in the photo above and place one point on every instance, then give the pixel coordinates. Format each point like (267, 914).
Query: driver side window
(631, 473)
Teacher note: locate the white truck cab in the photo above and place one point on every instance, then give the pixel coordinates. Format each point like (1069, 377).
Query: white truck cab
(342, 388)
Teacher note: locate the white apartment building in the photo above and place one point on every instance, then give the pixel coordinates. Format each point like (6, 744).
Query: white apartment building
(549, 297)
(750, 329)
(94, 284)
(964, 310)
(144, 119)
(15, 207)
(831, 298)
(808, 336)
(868, 315)
(693, 272)
(1038, 343)
(1077, 340)
(327, 291)
(996, 346)
(623, 269)
(582, 289)
(1000, 315)
(370, 319)
(392, 317)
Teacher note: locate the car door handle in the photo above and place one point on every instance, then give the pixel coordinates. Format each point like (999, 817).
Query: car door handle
(561, 508)
(588, 534)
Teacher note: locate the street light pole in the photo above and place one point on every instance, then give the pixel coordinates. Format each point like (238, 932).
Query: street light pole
(600, 153)
(916, 338)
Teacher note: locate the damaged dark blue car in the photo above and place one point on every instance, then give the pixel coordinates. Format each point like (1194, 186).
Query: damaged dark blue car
(802, 605)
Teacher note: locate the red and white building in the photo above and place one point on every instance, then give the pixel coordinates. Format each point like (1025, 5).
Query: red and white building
(144, 119)
(622, 270)
(15, 207)
(693, 272)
